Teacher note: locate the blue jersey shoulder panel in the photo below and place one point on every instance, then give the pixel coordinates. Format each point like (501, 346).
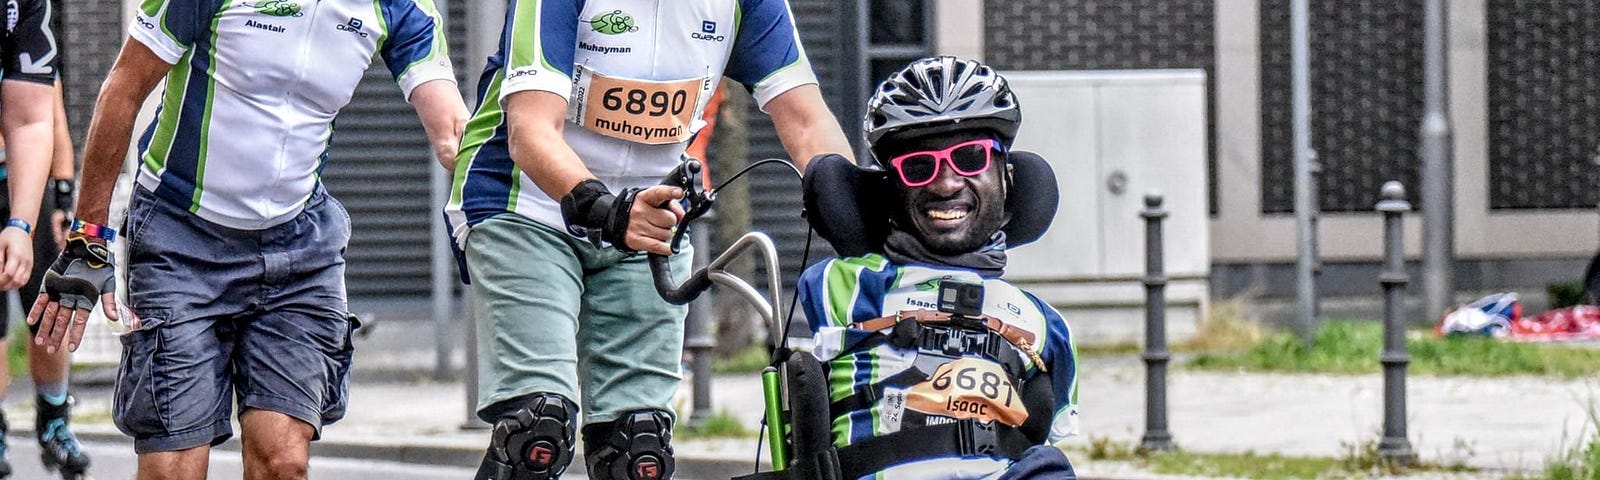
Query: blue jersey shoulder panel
(766, 41)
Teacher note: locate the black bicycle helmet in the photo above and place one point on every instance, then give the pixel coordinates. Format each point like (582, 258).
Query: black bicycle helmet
(941, 94)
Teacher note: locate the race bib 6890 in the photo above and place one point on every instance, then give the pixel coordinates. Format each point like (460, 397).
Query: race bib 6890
(644, 111)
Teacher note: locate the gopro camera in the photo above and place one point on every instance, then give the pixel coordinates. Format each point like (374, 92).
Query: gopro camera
(961, 298)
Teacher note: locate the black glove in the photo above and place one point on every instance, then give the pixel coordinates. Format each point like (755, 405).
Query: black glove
(592, 211)
(80, 275)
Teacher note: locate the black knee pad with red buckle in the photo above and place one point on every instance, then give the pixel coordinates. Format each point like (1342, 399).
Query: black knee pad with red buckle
(635, 446)
(534, 442)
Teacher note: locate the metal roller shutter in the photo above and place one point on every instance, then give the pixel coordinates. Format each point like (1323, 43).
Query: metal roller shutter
(379, 168)
(776, 209)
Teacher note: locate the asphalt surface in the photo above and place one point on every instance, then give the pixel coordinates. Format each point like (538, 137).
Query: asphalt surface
(117, 462)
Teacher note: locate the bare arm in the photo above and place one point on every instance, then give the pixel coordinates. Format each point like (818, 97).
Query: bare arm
(806, 126)
(61, 168)
(61, 161)
(132, 77)
(443, 115)
(534, 122)
(26, 122)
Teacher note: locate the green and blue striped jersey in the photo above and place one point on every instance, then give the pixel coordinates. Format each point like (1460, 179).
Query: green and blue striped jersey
(841, 292)
(246, 119)
(560, 46)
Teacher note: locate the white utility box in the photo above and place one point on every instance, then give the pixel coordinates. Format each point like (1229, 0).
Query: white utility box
(1112, 137)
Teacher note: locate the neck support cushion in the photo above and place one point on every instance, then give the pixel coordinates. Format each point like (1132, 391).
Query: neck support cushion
(850, 206)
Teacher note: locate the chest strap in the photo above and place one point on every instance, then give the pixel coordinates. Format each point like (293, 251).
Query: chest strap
(936, 345)
(964, 438)
(1020, 338)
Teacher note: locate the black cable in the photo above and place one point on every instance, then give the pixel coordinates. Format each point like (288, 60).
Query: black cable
(805, 256)
(761, 436)
(752, 166)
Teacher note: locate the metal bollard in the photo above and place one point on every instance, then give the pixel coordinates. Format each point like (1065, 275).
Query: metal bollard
(1156, 356)
(699, 339)
(1394, 446)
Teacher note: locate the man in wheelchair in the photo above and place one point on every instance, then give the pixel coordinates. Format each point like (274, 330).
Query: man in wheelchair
(933, 367)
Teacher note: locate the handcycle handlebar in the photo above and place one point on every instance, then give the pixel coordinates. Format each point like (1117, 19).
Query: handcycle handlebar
(687, 177)
(699, 201)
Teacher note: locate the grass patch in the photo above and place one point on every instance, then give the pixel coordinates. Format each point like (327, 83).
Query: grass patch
(1353, 347)
(1358, 461)
(17, 350)
(1580, 461)
(719, 425)
(1110, 350)
(750, 360)
(1226, 329)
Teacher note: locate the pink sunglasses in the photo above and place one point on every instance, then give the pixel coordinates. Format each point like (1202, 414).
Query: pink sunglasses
(969, 159)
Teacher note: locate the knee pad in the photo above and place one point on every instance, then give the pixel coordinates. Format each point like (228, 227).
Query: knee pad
(534, 442)
(636, 446)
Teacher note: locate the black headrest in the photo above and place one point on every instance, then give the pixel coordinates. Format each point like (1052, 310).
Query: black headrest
(1033, 200)
(849, 205)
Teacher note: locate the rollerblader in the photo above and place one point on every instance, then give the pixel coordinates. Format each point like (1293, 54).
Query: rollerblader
(235, 250)
(59, 447)
(585, 107)
(29, 106)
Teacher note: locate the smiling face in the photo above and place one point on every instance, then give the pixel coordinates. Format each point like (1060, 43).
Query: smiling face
(953, 213)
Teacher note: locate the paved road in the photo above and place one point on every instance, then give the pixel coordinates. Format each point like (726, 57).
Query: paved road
(116, 462)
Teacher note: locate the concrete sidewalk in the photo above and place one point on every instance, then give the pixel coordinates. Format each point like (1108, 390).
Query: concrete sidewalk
(1505, 425)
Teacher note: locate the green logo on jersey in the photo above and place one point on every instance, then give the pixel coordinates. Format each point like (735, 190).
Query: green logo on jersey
(613, 23)
(929, 286)
(278, 8)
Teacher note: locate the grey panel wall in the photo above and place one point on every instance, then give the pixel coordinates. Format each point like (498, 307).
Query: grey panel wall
(1544, 104)
(1106, 34)
(379, 168)
(775, 193)
(1366, 101)
(89, 38)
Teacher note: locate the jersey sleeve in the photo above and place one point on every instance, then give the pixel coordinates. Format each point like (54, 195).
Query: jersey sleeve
(767, 56)
(171, 27)
(415, 50)
(30, 47)
(843, 291)
(1061, 353)
(539, 41)
(810, 296)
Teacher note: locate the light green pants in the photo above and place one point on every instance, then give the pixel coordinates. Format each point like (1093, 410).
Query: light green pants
(556, 314)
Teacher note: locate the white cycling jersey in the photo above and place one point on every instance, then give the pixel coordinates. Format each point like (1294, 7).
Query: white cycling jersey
(636, 75)
(247, 114)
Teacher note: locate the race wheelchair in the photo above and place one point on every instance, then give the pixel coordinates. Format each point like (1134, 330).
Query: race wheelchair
(848, 207)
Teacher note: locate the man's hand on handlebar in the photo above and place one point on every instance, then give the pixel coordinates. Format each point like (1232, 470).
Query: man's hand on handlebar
(631, 221)
(655, 211)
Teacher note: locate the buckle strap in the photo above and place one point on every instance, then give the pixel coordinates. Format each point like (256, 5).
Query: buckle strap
(1018, 337)
(953, 342)
(865, 396)
(966, 438)
(940, 344)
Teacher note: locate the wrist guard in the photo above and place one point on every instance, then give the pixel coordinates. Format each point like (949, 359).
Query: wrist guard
(63, 190)
(593, 212)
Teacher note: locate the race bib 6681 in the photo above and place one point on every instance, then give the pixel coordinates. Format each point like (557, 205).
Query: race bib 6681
(969, 388)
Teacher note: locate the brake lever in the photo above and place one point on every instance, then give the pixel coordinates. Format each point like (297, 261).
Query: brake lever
(686, 176)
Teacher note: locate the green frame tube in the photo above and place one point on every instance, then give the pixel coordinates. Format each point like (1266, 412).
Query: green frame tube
(776, 427)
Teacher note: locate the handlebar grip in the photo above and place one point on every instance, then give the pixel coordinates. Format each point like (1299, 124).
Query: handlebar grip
(661, 271)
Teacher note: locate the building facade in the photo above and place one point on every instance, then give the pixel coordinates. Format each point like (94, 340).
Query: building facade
(1524, 104)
